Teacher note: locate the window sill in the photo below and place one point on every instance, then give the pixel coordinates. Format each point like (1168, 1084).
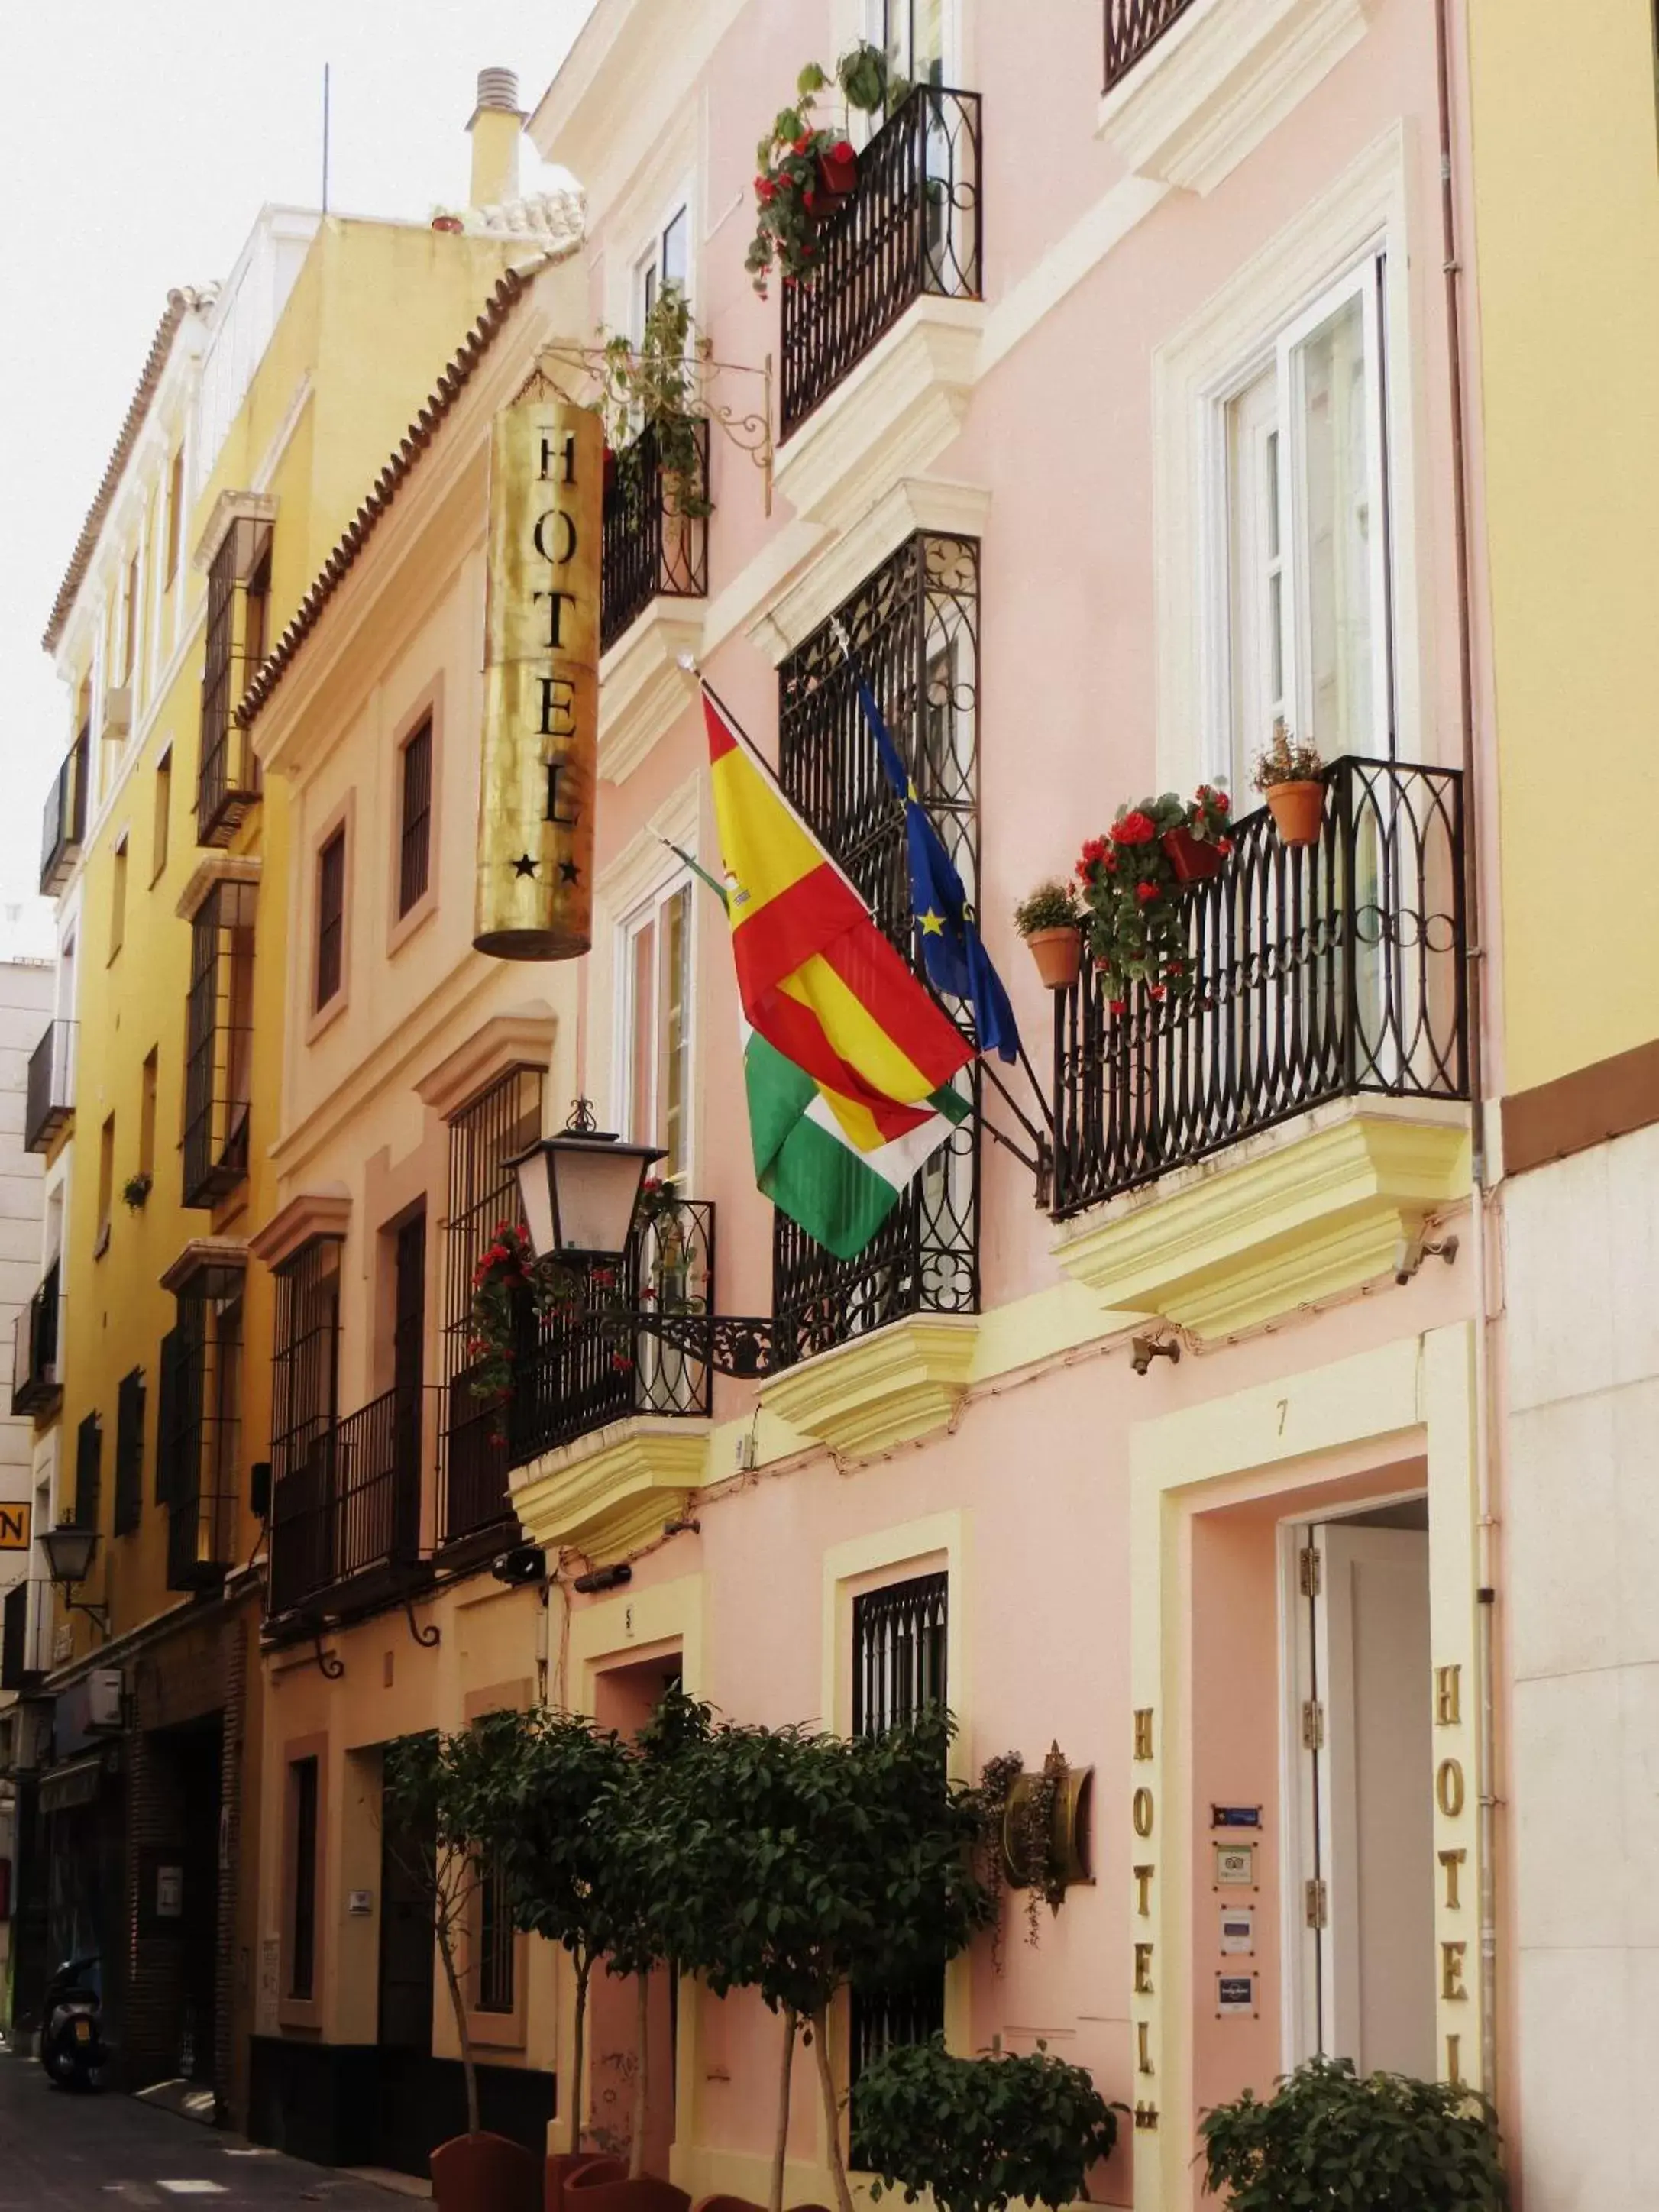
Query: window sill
(327, 1014)
(1309, 1210)
(404, 925)
(1210, 90)
(886, 1388)
(611, 1490)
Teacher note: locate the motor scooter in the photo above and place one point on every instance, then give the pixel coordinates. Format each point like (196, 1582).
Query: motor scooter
(72, 2048)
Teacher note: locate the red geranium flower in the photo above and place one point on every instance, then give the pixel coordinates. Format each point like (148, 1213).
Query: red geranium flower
(803, 142)
(1135, 829)
(1223, 844)
(1155, 990)
(765, 190)
(1117, 1005)
(1146, 893)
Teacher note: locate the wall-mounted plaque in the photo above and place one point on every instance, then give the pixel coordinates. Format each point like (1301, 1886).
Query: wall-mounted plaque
(1235, 1816)
(1235, 1996)
(1237, 1927)
(1235, 1866)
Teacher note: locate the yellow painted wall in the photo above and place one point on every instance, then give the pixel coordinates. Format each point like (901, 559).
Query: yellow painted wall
(1566, 187)
(375, 312)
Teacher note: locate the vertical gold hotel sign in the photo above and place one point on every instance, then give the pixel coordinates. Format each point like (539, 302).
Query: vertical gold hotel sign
(538, 762)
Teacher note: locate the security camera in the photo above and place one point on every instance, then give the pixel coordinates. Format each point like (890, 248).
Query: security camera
(1411, 1252)
(1143, 1350)
(525, 1563)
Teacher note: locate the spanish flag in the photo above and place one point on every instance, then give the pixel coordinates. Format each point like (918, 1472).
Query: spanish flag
(847, 1062)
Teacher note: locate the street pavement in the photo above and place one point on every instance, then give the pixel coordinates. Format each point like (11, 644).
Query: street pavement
(63, 2153)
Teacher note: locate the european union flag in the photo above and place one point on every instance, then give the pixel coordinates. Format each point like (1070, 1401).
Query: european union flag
(951, 950)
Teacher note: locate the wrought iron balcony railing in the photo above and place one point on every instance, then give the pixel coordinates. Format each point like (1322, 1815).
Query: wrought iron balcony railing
(49, 1096)
(655, 534)
(63, 826)
(1131, 27)
(913, 225)
(36, 1371)
(237, 598)
(642, 1339)
(345, 1519)
(1321, 972)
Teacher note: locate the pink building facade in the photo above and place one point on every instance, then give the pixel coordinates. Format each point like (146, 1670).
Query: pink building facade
(1113, 427)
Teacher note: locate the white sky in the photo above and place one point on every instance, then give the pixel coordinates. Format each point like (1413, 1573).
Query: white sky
(137, 142)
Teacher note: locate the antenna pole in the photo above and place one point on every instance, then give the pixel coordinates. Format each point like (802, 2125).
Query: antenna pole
(325, 138)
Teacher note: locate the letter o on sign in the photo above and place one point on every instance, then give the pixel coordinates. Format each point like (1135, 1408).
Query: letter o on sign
(1143, 1811)
(1448, 1788)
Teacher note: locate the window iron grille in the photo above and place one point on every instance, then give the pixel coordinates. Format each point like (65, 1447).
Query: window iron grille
(63, 824)
(1327, 971)
(914, 225)
(655, 535)
(36, 1373)
(483, 1192)
(1133, 28)
(88, 1471)
(495, 1991)
(219, 1043)
(238, 598)
(49, 1096)
(414, 819)
(330, 918)
(914, 629)
(129, 1452)
(199, 1433)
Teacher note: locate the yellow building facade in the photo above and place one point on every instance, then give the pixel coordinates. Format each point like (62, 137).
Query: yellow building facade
(263, 407)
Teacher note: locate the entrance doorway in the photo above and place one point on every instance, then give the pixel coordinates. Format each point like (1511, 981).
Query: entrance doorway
(1361, 1753)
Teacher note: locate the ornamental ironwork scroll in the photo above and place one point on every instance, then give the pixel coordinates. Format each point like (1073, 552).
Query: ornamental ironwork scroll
(538, 759)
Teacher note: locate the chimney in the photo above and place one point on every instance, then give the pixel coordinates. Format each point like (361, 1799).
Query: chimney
(497, 122)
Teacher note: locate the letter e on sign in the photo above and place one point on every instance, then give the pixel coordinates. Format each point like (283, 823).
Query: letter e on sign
(14, 1528)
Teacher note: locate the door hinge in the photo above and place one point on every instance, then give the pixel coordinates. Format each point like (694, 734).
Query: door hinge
(1313, 1898)
(1308, 1569)
(1313, 1725)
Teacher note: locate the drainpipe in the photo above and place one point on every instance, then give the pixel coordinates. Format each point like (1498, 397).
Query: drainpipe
(1486, 1733)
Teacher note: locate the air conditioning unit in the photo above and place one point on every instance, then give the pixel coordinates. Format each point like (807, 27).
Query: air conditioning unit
(104, 1699)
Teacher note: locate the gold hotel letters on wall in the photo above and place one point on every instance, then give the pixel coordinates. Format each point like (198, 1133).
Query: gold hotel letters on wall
(538, 765)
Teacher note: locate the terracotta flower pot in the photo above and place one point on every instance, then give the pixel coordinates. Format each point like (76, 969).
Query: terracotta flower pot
(1298, 811)
(451, 223)
(1192, 858)
(485, 2173)
(1058, 956)
(563, 2166)
(838, 176)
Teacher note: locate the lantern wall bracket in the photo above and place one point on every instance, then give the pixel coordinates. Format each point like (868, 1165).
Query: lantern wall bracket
(429, 1637)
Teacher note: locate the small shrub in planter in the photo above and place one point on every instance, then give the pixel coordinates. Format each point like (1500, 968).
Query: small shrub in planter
(979, 2132)
(803, 172)
(1051, 925)
(134, 1192)
(1290, 778)
(1381, 2143)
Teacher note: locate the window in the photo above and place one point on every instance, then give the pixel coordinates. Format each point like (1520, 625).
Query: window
(655, 1027)
(88, 1471)
(494, 1937)
(414, 819)
(302, 1780)
(911, 35)
(306, 1369)
(129, 1452)
(898, 1668)
(117, 900)
(1307, 603)
(106, 1184)
(198, 1427)
(219, 1043)
(158, 850)
(129, 621)
(238, 596)
(175, 519)
(667, 261)
(331, 918)
(148, 1079)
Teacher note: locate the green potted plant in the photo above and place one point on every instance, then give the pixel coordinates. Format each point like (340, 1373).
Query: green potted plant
(1329, 2136)
(446, 1790)
(651, 389)
(1052, 926)
(1131, 880)
(134, 1192)
(804, 171)
(1036, 1829)
(1290, 778)
(979, 2133)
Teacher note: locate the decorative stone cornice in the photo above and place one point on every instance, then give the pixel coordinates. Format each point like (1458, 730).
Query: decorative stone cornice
(1321, 1207)
(522, 1038)
(611, 1492)
(232, 507)
(203, 1254)
(892, 417)
(643, 688)
(213, 868)
(888, 1388)
(308, 1215)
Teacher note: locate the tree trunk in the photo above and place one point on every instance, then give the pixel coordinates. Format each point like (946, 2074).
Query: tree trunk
(781, 2149)
(446, 1952)
(831, 2114)
(642, 2079)
(584, 1968)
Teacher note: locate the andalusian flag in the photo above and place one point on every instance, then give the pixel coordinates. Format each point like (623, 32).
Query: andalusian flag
(846, 1059)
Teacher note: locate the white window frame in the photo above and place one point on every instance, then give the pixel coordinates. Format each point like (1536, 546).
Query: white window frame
(1365, 279)
(647, 262)
(874, 29)
(648, 912)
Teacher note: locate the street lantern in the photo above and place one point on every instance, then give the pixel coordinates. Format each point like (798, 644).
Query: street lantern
(69, 1553)
(579, 1191)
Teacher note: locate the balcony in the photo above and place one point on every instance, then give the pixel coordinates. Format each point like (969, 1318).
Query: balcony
(15, 1673)
(346, 1514)
(911, 229)
(36, 1371)
(656, 534)
(1132, 28)
(238, 598)
(590, 1367)
(49, 1096)
(64, 826)
(1329, 973)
